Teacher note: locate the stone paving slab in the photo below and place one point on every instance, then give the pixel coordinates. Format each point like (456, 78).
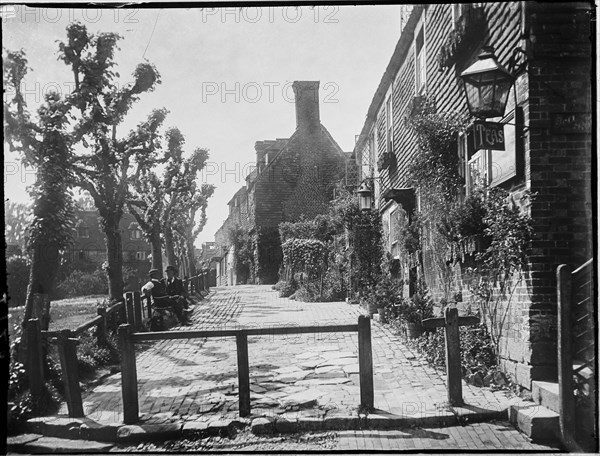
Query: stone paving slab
(314, 376)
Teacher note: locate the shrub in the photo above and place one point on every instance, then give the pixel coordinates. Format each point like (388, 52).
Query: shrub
(17, 278)
(83, 283)
(21, 405)
(90, 356)
(308, 292)
(418, 308)
(476, 349)
(286, 289)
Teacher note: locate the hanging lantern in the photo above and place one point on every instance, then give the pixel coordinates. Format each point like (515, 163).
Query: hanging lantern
(487, 85)
(365, 197)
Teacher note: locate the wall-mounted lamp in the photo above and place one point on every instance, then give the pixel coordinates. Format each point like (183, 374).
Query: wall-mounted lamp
(406, 197)
(365, 197)
(487, 85)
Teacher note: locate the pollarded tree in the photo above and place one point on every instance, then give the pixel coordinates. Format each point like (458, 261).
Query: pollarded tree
(186, 227)
(183, 197)
(45, 144)
(108, 162)
(147, 199)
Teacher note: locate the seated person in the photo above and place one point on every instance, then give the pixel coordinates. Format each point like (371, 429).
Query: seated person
(157, 289)
(175, 287)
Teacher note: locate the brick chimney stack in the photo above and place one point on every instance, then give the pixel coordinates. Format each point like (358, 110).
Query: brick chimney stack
(307, 104)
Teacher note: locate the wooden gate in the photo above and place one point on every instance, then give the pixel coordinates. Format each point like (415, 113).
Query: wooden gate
(577, 342)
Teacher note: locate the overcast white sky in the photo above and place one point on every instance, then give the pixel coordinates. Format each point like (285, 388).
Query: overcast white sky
(226, 75)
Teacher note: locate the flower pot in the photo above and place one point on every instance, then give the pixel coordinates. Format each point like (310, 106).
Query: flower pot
(413, 330)
(371, 309)
(382, 314)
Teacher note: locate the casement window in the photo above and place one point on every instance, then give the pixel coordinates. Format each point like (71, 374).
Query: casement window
(491, 167)
(388, 124)
(83, 231)
(396, 223)
(371, 158)
(420, 63)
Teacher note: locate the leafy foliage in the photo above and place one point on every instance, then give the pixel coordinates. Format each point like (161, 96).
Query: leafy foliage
(476, 349)
(243, 243)
(45, 144)
(336, 252)
(17, 272)
(80, 283)
(435, 167)
(17, 219)
(109, 162)
(305, 255)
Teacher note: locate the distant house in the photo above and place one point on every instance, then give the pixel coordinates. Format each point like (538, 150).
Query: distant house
(88, 244)
(294, 177)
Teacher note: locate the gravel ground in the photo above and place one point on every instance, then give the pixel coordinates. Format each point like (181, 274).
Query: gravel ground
(245, 441)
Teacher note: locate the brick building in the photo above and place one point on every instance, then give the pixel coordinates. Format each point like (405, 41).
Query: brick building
(548, 146)
(88, 246)
(294, 177)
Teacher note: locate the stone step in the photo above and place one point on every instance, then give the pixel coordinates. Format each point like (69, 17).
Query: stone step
(39, 444)
(536, 422)
(546, 394)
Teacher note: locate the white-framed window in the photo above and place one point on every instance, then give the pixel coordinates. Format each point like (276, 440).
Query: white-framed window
(372, 154)
(140, 255)
(420, 62)
(456, 13)
(388, 124)
(492, 167)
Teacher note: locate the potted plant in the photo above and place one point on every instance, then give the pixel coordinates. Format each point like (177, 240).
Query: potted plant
(368, 301)
(387, 293)
(419, 307)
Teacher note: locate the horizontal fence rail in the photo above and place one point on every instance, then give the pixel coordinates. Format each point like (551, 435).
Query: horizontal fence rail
(66, 341)
(128, 338)
(173, 335)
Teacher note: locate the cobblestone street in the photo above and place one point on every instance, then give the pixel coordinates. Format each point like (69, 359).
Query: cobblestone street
(292, 376)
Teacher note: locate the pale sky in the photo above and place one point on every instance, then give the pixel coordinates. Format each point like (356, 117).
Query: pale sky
(226, 75)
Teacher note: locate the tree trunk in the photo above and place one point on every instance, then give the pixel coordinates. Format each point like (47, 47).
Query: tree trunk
(191, 258)
(156, 249)
(170, 247)
(114, 253)
(44, 265)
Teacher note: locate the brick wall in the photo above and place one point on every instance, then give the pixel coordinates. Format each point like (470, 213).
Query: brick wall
(294, 178)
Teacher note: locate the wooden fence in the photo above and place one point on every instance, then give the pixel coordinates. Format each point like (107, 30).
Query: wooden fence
(577, 342)
(135, 310)
(128, 339)
(66, 341)
(198, 283)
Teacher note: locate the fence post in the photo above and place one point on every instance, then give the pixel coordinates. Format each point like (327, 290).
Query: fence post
(35, 367)
(137, 310)
(128, 375)
(365, 362)
(565, 356)
(101, 328)
(129, 318)
(67, 351)
(148, 307)
(241, 341)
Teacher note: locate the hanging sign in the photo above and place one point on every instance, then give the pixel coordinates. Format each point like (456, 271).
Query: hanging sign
(488, 135)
